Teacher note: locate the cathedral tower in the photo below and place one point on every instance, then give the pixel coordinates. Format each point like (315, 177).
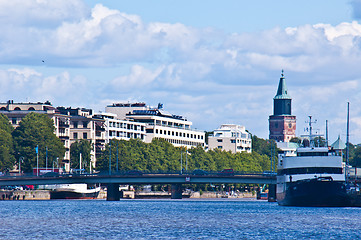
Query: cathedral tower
(282, 125)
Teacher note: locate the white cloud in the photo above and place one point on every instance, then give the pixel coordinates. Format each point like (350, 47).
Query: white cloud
(139, 77)
(209, 76)
(29, 85)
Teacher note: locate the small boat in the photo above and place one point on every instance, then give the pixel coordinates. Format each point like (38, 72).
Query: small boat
(74, 191)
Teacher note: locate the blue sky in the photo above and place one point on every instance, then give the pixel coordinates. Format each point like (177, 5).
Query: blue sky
(235, 15)
(213, 62)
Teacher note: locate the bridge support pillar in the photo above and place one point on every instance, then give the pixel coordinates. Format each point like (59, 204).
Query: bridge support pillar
(272, 193)
(176, 191)
(113, 193)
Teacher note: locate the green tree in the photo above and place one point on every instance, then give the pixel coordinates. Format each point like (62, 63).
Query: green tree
(82, 147)
(34, 130)
(296, 140)
(355, 156)
(160, 155)
(319, 142)
(262, 146)
(7, 159)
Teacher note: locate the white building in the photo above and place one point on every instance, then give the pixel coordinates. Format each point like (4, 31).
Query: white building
(231, 137)
(122, 109)
(161, 124)
(121, 129)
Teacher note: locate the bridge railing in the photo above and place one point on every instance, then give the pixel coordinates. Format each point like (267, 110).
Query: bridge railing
(139, 173)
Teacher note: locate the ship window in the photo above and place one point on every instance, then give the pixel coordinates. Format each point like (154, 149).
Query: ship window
(307, 154)
(311, 170)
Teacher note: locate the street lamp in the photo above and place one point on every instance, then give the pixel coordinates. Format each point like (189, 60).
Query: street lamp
(21, 159)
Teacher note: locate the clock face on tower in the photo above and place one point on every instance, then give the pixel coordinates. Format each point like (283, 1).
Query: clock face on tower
(290, 125)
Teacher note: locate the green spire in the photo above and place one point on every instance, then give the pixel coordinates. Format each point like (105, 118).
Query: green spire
(282, 89)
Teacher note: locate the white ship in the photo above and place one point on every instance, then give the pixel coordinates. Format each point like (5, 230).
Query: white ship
(312, 177)
(74, 191)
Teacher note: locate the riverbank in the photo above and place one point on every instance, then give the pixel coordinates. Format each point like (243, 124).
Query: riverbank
(24, 194)
(45, 195)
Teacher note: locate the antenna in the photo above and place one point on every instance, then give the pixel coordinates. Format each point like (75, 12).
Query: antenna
(327, 133)
(310, 125)
(347, 132)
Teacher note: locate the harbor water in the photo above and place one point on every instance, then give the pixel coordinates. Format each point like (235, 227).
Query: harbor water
(174, 219)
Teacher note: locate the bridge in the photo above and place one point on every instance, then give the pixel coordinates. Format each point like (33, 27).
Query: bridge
(114, 180)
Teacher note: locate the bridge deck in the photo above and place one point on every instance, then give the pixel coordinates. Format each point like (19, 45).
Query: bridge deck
(137, 179)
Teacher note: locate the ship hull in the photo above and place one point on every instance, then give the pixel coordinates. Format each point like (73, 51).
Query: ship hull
(314, 193)
(73, 195)
(74, 191)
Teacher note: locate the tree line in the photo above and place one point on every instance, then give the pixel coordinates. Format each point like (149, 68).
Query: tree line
(18, 146)
(37, 131)
(162, 156)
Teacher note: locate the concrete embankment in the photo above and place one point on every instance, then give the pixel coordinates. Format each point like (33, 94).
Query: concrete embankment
(155, 195)
(24, 195)
(45, 195)
(221, 195)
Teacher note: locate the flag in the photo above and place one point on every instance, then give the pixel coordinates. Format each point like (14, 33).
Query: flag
(37, 149)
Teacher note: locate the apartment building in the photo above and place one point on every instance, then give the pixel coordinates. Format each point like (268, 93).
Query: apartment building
(121, 129)
(160, 124)
(231, 137)
(83, 125)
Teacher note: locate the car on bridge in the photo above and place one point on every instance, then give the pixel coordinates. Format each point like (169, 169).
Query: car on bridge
(226, 172)
(199, 172)
(134, 172)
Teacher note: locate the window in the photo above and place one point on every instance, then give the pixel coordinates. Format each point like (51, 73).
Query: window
(219, 140)
(149, 130)
(233, 141)
(13, 121)
(75, 124)
(75, 135)
(85, 124)
(220, 147)
(85, 135)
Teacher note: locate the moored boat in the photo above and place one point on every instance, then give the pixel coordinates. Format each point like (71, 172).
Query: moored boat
(314, 176)
(74, 191)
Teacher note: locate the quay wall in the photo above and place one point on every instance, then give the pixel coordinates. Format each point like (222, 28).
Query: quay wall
(221, 195)
(45, 195)
(24, 195)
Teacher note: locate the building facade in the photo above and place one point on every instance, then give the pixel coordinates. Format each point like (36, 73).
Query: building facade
(121, 129)
(161, 124)
(82, 125)
(282, 124)
(231, 137)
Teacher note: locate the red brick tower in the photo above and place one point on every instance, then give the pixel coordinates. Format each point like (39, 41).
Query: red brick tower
(282, 125)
